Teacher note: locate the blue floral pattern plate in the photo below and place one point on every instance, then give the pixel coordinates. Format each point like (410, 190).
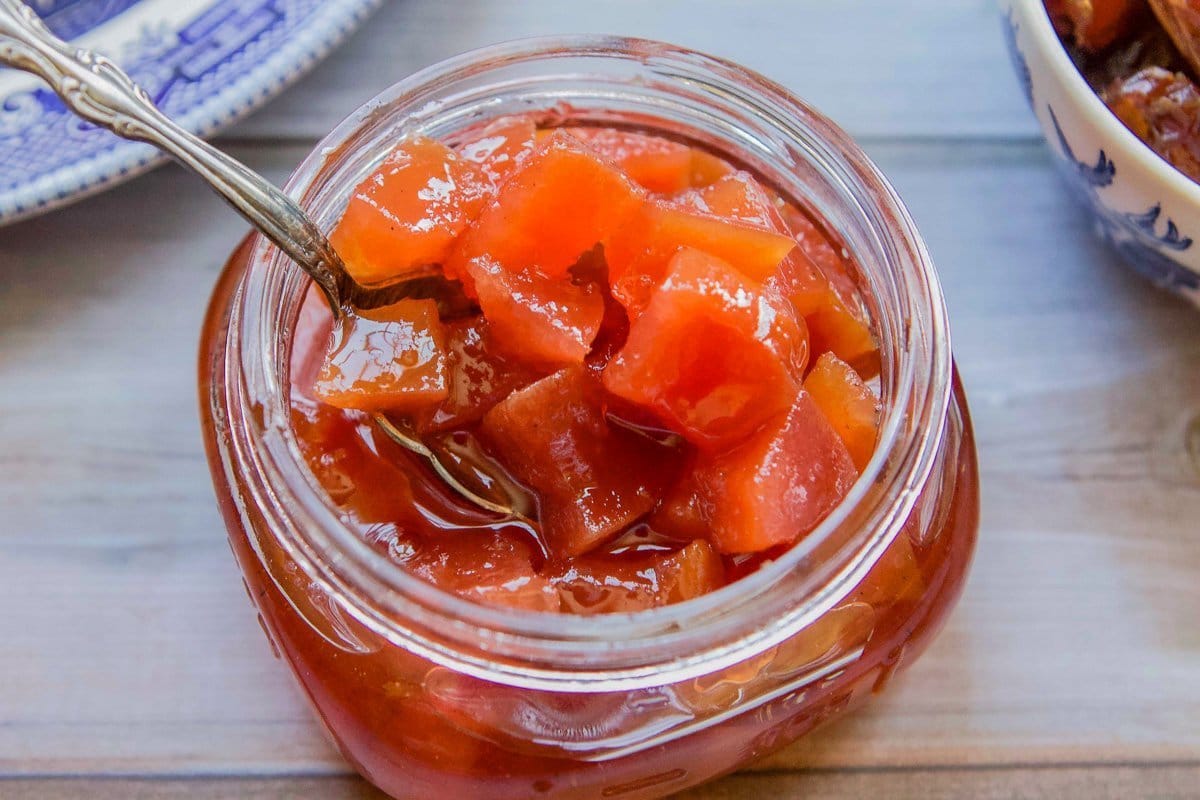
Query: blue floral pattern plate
(206, 63)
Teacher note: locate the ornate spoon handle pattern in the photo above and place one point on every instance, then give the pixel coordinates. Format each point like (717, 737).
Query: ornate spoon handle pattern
(101, 92)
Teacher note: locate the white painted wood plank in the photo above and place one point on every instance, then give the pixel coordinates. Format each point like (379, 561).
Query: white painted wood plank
(1056, 783)
(1175, 782)
(127, 647)
(919, 68)
(125, 620)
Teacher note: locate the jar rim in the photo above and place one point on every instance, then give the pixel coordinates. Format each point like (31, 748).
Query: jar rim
(613, 650)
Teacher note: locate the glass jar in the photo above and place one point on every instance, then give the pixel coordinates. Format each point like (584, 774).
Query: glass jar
(428, 694)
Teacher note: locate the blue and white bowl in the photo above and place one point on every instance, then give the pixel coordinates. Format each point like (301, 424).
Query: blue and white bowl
(206, 63)
(1147, 210)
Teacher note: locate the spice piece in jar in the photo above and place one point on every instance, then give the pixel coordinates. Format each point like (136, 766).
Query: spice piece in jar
(669, 356)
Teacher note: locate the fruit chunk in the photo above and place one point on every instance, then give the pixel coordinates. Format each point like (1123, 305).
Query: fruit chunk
(895, 579)
(1094, 24)
(712, 356)
(408, 212)
(532, 726)
(829, 259)
(695, 570)
(478, 375)
(641, 250)
(771, 490)
(836, 329)
(835, 634)
(738, 196)
(500, 147)
(851, 408)
(313, 328)
(592, 480)
(537, 319)
(1162, 109)
(606, 583)
(833, 323)
(389, 358)
(707, 168)
(814, 276)
(496, 570)
(741, 197)
(337, 452)
(553, 209)
(683, 511)
(802, 280)
(1180, 19)
(524, 591)
(655, 163)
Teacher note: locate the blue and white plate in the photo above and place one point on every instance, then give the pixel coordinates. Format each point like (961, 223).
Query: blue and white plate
(206, 63)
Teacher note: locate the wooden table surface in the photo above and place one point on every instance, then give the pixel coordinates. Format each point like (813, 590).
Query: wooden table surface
(131, 666)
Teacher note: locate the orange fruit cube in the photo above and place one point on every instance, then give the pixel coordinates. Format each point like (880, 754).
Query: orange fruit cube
(713, 355)
(606, 583)
(849, 405)
(640, 251)
(655, 163)
(535, 318)
(408, 213)
(386, 359)
(592, 479)
(500, 147)
(775, 487)
(478, 375)
(554, 208)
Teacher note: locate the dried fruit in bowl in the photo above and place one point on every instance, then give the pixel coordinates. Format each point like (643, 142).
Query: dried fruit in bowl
(1163, 110)
(1181, 20)
(1094, 24)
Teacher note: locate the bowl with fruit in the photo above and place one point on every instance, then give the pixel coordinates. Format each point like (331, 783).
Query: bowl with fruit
(686, 469)
(1112, 83)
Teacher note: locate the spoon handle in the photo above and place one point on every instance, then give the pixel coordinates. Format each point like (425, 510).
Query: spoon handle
(101, 92)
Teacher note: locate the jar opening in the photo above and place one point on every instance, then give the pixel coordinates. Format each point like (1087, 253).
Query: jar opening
(686, 95)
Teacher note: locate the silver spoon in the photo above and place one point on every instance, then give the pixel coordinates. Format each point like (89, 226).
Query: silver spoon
(101, 92)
